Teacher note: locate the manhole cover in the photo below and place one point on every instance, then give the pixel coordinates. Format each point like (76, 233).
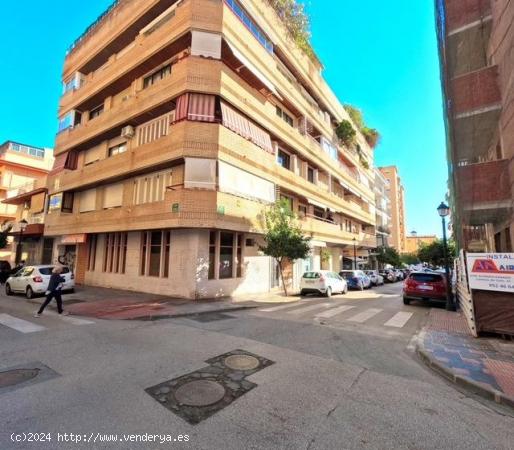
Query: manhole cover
(200, 393)
(242, 362)
(13, 377)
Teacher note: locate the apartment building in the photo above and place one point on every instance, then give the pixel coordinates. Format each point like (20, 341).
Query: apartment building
(180, 123)
(477, 66)
(23, 169)
(396, 194)
(383, 210)
(414, 242)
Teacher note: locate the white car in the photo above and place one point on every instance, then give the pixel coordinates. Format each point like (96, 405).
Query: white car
(322, 282)
(33, 280)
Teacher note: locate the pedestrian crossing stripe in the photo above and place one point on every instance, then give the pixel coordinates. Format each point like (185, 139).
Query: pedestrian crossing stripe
(365, 315)
(69, 319)
(399, 319)
(334, 312)
(23, 326)
(280, 308)
(309, 308)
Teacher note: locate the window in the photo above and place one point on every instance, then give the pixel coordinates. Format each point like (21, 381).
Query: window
(115, 253)
(302, 210)
(284, 159)
(87, 200)
(155, 253)
(70, 120)
(67, 202)
(225, 255)
(118, 149)
(200, 173)
(152, 187)
(95, 112)
(319, 212)
(284, 116)
(91, 254)
(32, 151)
(238, 10)
(310, 174)
(158, 75)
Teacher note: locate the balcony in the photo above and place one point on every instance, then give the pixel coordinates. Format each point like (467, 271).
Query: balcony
(463, 12)
(127, 65)
(475, 91)
(485, 191)
(187, 75)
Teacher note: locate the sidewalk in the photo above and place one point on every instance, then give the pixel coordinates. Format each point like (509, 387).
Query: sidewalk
(484, 365)
(113, 304)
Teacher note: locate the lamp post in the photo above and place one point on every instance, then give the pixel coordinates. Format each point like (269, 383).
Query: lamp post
(355, 253)
(444, 211)
(23, 225)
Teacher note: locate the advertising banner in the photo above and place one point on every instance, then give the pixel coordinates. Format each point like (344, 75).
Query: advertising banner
(491, 271)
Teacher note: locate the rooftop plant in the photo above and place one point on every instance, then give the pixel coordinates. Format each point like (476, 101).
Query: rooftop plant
(297, 22)
(371, 135)
(346, 133)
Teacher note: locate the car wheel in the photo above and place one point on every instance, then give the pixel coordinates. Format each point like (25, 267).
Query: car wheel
(361, 286)
(328, 294)
(8, 290)
(406, 301)
(302, 293)
(29, 293)
(345, 290)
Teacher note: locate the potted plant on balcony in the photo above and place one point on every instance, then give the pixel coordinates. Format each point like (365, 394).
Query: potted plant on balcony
(346, 133)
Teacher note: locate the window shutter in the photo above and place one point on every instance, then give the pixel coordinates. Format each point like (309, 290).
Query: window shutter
(87, 200)
(113, 195)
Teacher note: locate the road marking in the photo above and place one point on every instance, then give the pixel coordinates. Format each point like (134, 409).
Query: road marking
(280, 308)
(365, 315)
(69, 319)
(20, 325)
(333, 312)
(399, 319)
(309, 308)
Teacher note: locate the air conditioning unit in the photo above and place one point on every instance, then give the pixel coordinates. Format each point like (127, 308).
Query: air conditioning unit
(128, 132)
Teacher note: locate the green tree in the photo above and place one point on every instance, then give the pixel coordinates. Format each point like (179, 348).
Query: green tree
(388, 255)
(4, 234)
(410, 259)
(346, 133)
(283, 237)
(434, 253)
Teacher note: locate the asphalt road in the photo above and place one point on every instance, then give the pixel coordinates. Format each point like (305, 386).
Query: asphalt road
(343, 378)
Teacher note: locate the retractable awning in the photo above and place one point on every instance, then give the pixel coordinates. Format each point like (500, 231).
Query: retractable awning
(256, 72)
(318, 204)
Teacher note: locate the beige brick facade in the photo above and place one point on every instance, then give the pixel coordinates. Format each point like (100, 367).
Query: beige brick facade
(122, 132)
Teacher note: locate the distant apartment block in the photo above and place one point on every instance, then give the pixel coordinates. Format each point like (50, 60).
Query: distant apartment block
(383, 210)
(477, 65)
(23, 172)
(180, 122)
(396, 194)
(414, 242)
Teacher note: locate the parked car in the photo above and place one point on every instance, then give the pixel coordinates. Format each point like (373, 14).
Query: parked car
(399, 275)
(356, 279)
(375, 277)
(389, 276)
(5, 271)
(424, 286)
(33, 280)
(322, 282)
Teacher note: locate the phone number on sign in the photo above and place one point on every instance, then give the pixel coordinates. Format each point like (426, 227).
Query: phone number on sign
(98, 437)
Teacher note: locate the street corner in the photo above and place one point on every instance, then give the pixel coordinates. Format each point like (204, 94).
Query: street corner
(446, 346)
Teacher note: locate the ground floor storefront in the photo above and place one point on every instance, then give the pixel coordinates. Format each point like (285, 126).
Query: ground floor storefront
(187, 263)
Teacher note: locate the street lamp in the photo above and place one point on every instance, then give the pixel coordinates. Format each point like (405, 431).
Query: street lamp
(355, 253)
(444, 211)
(23, 225)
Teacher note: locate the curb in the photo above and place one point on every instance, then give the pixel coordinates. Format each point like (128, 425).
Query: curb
(464, 382)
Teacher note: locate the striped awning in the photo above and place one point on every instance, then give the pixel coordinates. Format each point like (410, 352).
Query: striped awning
(239, 124)
(195, 107)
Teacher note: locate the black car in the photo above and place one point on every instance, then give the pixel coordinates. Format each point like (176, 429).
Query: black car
(5, 271)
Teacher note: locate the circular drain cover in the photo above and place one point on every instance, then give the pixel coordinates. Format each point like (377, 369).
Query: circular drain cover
(200, 393)
(13, 377)
(242, 362)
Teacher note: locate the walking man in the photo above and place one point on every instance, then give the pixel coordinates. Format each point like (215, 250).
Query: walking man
(54, 291)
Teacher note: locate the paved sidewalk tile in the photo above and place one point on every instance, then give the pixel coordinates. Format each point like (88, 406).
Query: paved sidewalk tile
(488, 362)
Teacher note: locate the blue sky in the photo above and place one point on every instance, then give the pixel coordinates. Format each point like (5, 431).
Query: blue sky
(379, 58)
